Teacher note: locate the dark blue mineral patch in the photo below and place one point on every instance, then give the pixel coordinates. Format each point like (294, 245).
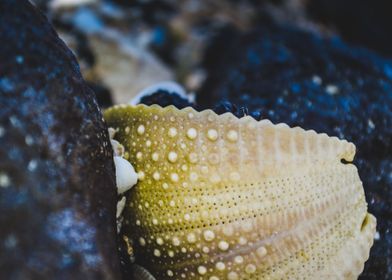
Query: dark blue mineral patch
(303, 80)
(57, 184)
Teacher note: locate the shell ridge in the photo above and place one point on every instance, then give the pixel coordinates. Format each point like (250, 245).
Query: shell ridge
(289, 204)
(172, 108)
(346, 149)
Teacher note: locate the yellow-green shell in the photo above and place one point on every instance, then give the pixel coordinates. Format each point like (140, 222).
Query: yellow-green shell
(225, 198)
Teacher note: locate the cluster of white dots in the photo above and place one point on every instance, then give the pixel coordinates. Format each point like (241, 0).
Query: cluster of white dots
(220, 266)
(172, 234)
(181, 161)
(146, 130)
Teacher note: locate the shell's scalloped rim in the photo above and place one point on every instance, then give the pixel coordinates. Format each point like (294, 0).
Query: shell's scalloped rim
(228, 115)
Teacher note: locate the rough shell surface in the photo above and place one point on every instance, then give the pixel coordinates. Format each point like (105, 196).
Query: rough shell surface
(225, 198)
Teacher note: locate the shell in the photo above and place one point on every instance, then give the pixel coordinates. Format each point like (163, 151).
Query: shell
(225, 198)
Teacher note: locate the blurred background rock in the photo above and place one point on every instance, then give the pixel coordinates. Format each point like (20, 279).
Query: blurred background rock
(124, 46)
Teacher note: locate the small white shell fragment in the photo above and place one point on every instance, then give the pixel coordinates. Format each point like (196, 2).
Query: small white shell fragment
(4, 180)
(59, 4)
(332, 89)
(112, 132)
(118, 149)
(120, 206)
(126, 176)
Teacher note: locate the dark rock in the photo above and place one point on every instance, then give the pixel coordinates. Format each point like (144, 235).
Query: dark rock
(165, 98)
(164, 43)
(326, 85)
(226, 106)
(57, 194)
(102, 94)
(365, 22)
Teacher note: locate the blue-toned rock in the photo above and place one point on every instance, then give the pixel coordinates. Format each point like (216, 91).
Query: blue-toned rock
(57, 184)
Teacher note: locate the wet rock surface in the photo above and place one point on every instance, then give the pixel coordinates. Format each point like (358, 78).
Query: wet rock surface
(57, 184)
(326, 85)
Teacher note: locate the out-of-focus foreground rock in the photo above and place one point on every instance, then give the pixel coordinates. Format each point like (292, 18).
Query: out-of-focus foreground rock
(57, 184)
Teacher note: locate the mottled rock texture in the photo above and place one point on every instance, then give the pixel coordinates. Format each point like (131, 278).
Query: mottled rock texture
(57, 184)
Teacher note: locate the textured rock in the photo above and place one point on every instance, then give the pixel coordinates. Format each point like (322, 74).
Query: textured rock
(57, 194)
(165, 98)
(300, 79)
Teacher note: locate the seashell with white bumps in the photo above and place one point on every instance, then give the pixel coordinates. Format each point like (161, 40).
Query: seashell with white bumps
(228, 198)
